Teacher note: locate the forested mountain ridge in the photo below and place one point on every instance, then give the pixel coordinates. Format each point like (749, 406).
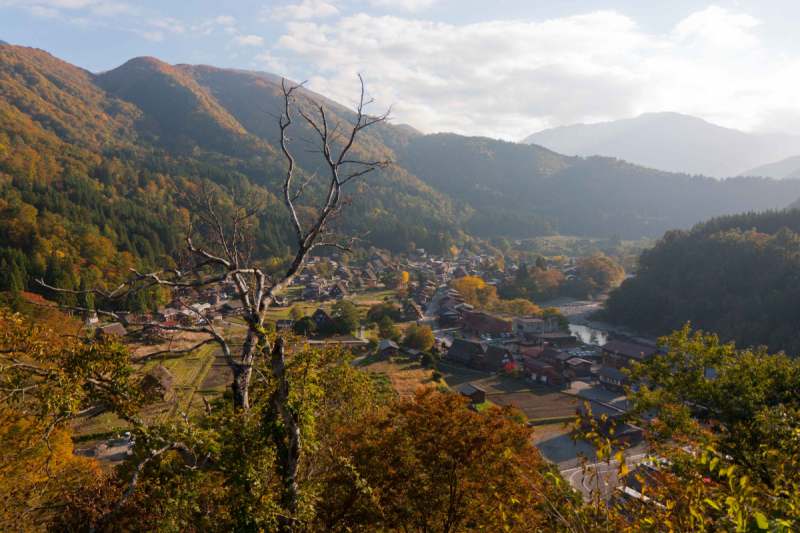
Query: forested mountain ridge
(89, 181)
(736, 276)
(90, 167)
(525, 189)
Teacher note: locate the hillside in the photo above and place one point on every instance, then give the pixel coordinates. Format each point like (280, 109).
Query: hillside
(736, 276)
(520, 190)
(672, 142)
(788, 168)
(91, 167)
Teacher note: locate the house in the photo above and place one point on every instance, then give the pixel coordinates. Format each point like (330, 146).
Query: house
(412, 312)
(463, 352)
(608, 421)
(495, 359)
(338, 290)
(281, 300)
(460, 272)
(475, 395)
(579, 368)
(370, 277)
(233, 308)
(359, 283)
(621, 354)
(115, 330)
(322, 318)
(531, 352)
(284, 324)
(484, 323)
(414, 354)
(166, 314)
(538, 370)
(447, 316)
(527, 327)
(216, 316)
(157, 382)
(388, 348)
(555, 358)
(612, 378)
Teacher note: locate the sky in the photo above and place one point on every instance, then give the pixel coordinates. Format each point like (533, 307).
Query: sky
(499, 68)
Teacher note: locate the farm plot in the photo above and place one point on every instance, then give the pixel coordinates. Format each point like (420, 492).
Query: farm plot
(219, 376)
(455, 377)
(539, 405)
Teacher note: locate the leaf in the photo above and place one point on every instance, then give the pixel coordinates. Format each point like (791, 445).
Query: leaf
(713, 504)
(761, 521)
(714, 463)
(623, 470)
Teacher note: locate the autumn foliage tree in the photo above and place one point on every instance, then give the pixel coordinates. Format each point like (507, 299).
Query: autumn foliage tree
(428, 464)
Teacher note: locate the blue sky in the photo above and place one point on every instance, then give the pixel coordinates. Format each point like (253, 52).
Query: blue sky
(504, 68)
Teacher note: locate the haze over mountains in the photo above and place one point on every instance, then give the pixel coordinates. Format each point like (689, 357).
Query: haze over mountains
(106, 135)
(672, 142)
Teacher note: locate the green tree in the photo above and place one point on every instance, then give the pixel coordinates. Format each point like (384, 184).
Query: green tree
(296, 313)
(387, 330)
(419, 337)
(345, 316)
(304, 326)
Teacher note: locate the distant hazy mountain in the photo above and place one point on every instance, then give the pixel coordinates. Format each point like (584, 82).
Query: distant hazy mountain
(3, 42)
(788, 168)
(671, 142)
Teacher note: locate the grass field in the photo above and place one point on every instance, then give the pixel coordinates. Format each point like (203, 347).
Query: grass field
(404, 376)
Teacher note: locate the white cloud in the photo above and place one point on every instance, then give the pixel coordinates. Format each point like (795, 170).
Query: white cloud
(718, 27)
(155, 36)
(43, 12)
(267, 61)
(65, 4)
(309, 9)
(247, 40)
(508, 79)
(168, 24)
(406, 5)
(224, 20)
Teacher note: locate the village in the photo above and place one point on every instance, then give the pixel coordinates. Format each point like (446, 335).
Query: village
(493, 359)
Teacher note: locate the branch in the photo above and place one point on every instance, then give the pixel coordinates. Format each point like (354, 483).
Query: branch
(179, 446)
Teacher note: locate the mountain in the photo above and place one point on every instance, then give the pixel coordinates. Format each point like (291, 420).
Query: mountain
(92, 167)
(736, 276)
(520, 190)
(3, 42)
(788, 168)
(672, 142)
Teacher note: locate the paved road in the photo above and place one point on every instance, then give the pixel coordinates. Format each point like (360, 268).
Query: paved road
(601, 477)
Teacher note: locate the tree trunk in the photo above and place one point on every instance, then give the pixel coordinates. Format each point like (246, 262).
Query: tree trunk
(241, 386)
(289, 443)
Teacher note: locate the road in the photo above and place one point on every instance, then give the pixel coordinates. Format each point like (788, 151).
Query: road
(601, 477)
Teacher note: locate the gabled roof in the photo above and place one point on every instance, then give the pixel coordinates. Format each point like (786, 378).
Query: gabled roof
(629, 349)
(468, 389)
(464, 350)
(536, 366)
(609, 372)
(386, 343)
(578, 361)
(495, 355)
(116, 329)
(549, 353)
(158, 376)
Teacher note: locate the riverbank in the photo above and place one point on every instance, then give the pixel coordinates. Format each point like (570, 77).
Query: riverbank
(579, 312)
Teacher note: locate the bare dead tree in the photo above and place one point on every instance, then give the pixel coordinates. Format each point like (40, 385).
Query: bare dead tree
(226, 248)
